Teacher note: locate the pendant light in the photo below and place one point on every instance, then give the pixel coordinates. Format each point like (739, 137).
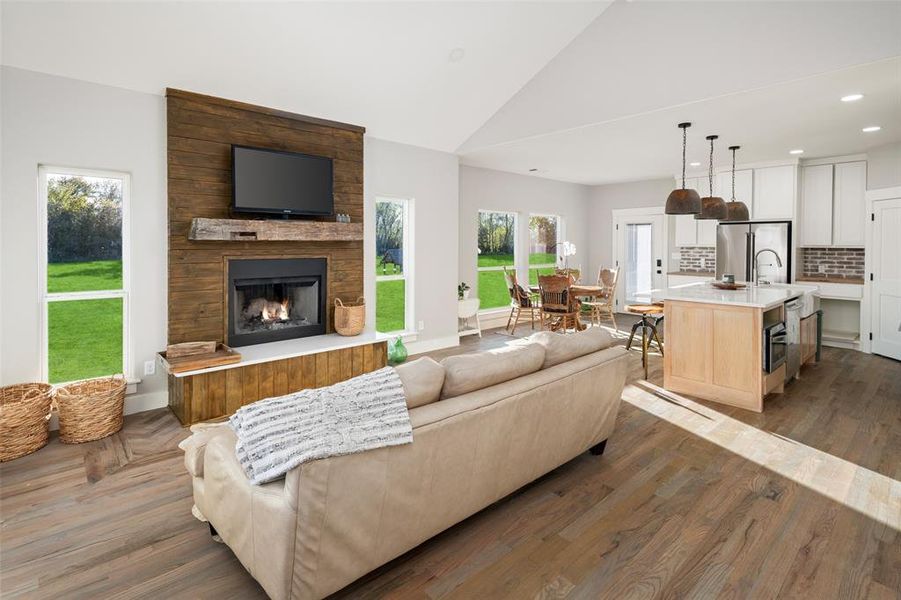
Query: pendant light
(713, 208)
(683, 201)
(737, 211)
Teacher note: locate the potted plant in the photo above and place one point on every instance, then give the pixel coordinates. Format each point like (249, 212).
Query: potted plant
(463, 290)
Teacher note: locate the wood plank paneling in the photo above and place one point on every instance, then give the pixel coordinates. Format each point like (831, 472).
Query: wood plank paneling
(217, 394)
(201, 131)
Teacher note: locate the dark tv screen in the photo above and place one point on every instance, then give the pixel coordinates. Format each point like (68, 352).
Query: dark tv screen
(269, 181)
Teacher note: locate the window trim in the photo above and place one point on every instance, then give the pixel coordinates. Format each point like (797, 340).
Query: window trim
(408, 267)
(47, 297)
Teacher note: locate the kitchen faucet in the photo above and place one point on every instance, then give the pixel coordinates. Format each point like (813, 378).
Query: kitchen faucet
(757, 264)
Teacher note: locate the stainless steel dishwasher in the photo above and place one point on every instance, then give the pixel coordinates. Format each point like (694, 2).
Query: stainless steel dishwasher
(793, 310)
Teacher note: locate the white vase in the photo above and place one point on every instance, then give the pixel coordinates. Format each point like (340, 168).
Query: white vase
(466, 294)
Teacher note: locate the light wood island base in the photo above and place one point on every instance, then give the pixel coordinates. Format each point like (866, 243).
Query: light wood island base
(714, 352)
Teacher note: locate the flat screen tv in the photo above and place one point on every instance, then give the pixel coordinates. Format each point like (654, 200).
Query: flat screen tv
(286, 183)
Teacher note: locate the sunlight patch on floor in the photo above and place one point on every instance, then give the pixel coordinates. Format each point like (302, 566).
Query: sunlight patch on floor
(859, 488)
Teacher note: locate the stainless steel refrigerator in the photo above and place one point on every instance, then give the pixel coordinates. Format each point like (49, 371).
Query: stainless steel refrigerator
(740, 243)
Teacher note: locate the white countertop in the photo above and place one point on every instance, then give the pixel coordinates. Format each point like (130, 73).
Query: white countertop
(764, 296)
(260, 353)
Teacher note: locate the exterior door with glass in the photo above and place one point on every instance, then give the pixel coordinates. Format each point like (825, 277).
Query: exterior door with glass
(639, 254)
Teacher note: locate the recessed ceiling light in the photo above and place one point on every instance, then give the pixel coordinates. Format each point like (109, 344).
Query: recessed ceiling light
(694, 164)
(797, 151)
(852, 97)
(871, 128)
(456, 55)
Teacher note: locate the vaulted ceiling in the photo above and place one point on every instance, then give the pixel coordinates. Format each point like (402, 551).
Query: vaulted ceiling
(588, 92)
(389, 66)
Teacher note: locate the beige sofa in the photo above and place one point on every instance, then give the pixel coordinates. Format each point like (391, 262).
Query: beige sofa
(484, 425)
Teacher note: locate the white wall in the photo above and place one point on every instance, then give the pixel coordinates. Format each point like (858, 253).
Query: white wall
(485, 189)
(603, 199)
(884, 167)
(430, 178)
(64, 122)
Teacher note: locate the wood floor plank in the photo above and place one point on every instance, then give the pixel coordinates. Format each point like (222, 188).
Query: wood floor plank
(690, 500)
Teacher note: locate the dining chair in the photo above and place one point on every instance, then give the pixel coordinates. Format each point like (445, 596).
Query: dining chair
(601, 306)
(520, 301)
(574, 274)
(559, 309)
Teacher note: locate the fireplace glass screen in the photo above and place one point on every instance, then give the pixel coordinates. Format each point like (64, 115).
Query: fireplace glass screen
(276, 303)
(272, 300)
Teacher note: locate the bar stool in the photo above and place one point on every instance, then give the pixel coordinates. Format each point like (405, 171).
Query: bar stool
(651, 317)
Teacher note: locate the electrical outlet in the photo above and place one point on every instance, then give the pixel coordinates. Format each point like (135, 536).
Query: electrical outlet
(149, 367)
(421, 325)
(822, 268)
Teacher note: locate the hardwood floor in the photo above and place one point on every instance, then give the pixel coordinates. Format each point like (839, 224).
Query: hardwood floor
(690, 500)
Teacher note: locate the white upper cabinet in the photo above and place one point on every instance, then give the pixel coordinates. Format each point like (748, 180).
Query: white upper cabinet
(707, 233)
(849, 211)
(774, 193)
(744, 186)
(815, 220)
(685, 231)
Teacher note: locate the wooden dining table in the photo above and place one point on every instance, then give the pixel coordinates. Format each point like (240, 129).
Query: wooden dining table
(578, 290)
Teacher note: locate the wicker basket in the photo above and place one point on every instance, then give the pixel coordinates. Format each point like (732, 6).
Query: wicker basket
(350, 318)
(90, 409)
(24, 418)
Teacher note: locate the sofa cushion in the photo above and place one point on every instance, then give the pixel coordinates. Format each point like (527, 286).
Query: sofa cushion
(469, 372)
(560, 347)
(422, 380)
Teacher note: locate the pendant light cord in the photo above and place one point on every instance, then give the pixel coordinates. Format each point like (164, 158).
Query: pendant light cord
(733, 174)
(684, 137)
(710, 170)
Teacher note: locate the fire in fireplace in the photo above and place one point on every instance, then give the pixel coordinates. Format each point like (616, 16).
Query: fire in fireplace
(275, 299)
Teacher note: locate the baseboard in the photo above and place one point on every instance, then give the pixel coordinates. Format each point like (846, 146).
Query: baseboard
(432, 345)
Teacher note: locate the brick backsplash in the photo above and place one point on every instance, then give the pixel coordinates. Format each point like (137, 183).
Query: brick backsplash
(693, 259)
(836, 262)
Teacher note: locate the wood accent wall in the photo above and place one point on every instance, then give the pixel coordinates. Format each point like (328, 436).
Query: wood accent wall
(201, 131)
(216, 394)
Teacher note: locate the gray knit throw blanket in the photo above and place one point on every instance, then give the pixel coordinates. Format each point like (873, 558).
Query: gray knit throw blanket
(277, 434)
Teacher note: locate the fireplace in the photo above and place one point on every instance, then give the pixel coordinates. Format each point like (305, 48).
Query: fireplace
(275, 299)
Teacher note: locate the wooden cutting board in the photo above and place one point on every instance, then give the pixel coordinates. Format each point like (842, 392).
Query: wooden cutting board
(728, 286)
(183, 359)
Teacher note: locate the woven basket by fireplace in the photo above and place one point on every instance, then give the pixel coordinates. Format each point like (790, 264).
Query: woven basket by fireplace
(350, 318)
(91, 409)
(24, 418)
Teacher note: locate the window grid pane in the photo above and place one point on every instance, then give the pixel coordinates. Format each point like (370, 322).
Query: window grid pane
(84, 339)
(390, 305)
(543, 239)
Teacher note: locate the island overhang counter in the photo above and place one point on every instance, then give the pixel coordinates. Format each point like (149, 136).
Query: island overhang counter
(714, 341)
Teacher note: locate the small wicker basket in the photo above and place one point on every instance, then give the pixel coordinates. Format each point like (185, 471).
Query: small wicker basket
(90, 409)
(24, 418)
(350, 318)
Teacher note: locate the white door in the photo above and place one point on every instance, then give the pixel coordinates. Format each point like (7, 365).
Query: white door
(885, 291)
(639, 254)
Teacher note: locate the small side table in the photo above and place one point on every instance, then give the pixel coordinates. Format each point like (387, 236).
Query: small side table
(467, 312)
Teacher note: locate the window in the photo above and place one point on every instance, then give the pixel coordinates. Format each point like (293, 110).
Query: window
(393, 284)
(543, 238)
(85, 284)
(497, 249)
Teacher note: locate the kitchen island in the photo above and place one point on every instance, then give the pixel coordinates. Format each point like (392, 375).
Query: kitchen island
(715, 341)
